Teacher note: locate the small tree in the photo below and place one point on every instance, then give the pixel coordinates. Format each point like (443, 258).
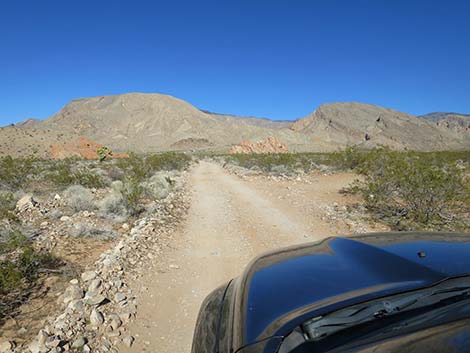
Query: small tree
(104, 153)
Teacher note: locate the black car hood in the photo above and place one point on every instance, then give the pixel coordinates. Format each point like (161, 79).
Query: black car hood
(280, 290)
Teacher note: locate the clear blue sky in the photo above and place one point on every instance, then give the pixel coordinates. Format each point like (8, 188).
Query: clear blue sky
(279, 59)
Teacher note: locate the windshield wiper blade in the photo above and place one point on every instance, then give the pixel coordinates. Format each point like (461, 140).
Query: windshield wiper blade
(323, 326)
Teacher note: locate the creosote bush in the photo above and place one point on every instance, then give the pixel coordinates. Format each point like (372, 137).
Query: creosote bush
(14, 172)
(65, 172)
(140, 167)
(79, 198)
(20, 263)
(7, 206)
(412, 190)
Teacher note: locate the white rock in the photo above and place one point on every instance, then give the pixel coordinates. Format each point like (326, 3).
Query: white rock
(88, 276)
(125, 226)
(119, 297)
(72, 292)
(94, 285)
(96, 318)
(128, 341)
(57, 197)
(6, 346)
(65, 219)
(79, 342)
(115, 321)
(25, 203)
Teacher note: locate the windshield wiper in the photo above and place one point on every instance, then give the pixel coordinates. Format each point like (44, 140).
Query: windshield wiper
(321, 327)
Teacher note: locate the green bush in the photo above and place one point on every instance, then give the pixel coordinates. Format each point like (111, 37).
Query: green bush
(15, 172)
(21, 262)
(280, 162)
(133, 193)
(140, 167)
(412, 190)
(7, 206)
(64, 173)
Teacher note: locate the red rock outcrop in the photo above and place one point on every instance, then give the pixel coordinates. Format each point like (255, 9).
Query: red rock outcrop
(83, 147)
(268, 145)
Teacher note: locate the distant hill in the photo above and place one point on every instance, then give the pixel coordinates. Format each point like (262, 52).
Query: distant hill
(369, 125)
(155, 122)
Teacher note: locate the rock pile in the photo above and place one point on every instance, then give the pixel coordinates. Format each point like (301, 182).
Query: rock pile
(99, 303)
(268, 145)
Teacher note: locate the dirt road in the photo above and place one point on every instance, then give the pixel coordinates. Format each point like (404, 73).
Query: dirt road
(229, 222)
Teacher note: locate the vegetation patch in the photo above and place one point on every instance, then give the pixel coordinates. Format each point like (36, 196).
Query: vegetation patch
(413, 190)
(20, 264)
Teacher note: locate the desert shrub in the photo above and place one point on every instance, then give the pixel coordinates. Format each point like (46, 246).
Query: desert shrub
(15, 172)
(64, 173)
(134, 167)
(159, 186)
(133, 193)
(168, 161)
(280, 163)
(104, 153)
(20, 262)
(117, 186)
(140, 168)
(79, 198)
(89, 231)
(7, 206)
(115, 173)
(411, 190)
(113, 206)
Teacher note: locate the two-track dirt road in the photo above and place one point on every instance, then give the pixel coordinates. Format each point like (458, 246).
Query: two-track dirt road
(229, 222)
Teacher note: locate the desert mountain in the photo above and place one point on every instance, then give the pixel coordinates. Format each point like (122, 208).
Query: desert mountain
(369, 125)
(459, 123)
(155, 122)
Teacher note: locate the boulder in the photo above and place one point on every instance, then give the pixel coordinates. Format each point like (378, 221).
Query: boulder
(26, 203)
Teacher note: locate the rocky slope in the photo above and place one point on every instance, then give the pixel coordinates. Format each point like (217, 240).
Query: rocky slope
(154, 122)
(369, 125)
(459, 123)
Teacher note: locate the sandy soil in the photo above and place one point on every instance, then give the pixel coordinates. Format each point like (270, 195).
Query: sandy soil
(229, 222)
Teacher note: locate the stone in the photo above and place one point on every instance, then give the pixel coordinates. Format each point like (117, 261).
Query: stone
(125, 226)
(53, 343)
(115, 321)
(79, 342)
(27, 202)
(88, 276)
(96, 318)
(65, 219)
(94, 299)
(35, 347)
(119, 297)
(6, 347)
(73, 281)
(94, 285)
(76, 305)
(128, 341)
(117, 283)
(72, 292)
(174, 267)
